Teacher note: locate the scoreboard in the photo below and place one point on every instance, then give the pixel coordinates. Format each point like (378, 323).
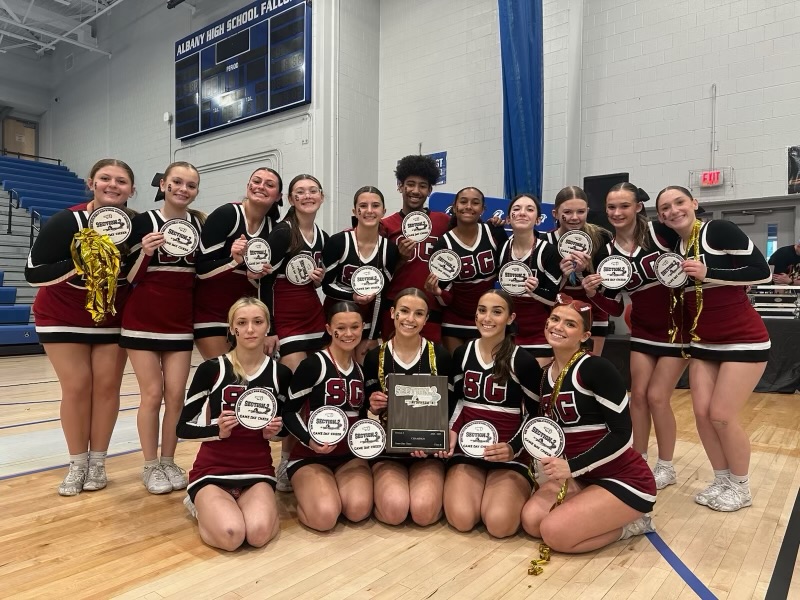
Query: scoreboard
(254, 62)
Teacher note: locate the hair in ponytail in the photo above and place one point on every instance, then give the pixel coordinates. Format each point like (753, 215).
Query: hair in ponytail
(238, 370)
(640, 236)
(295, 236)
(505, 351)
(367, 189)
(596, 233)
(197, 214)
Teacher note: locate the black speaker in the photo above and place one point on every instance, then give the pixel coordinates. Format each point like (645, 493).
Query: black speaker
(596, 188)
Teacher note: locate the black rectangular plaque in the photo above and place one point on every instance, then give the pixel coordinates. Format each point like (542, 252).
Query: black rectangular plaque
(417, 414)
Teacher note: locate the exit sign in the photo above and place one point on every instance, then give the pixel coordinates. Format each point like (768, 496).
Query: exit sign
(711, 179)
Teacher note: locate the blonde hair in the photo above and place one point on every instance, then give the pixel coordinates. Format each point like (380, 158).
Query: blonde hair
(238, 370)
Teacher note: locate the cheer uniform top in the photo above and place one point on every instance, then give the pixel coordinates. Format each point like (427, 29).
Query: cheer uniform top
(534, 309)
(319, 382)
(442, 365)
(592, 409)
(414, 271)
(244, 458)
(297, 315)
(650, 301)
(341, 259)
(220, 281)
(478, 397)
(576, 291)
(158, 315)
(479, 265)
(59, 308)
(729, 327)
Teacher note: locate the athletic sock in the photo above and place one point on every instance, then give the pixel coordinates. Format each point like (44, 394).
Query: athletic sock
(97, 456)
(167, 460)
(79, 460)
(740, 480)
(722, 473)
(149, 464)
(664, 463)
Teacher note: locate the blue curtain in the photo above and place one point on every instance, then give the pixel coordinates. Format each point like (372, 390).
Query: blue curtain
(523, 95)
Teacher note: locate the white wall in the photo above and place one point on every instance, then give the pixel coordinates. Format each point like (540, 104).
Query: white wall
(648, 67)
(24, 81)
(440, 86)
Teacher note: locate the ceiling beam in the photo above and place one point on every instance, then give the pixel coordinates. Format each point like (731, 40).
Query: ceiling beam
(55, 36)
(89, 20)
(11, 13)
(23, 38)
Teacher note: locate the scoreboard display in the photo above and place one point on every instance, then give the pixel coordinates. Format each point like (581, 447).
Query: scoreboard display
(254, 62)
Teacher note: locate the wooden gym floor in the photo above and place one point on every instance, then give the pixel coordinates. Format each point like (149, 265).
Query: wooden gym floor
(124, 543)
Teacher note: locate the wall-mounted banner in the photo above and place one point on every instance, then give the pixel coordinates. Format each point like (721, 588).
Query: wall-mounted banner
(254, 62)
(441, 162)
(495, 207)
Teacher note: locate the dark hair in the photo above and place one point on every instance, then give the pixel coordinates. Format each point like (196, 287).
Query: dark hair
(343, 306)
(411, 291)
(295, 236)
(417, 164)
(536, 201)
(367, 189)
(505, 351)
(573, 192)
(453, 219)
(679, 188)
(584, 309)
(274, 212)
(180, 164)
(640, 237)
(111, 162)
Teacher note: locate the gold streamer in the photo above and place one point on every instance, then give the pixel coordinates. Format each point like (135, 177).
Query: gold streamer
(544, 550)
(693, 246)
(97, 259)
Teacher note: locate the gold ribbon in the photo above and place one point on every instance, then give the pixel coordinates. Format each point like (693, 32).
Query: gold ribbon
(693, 247)
(97, 259)
(544, 550)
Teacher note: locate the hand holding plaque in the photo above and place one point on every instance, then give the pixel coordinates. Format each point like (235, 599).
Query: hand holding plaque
(417, 414)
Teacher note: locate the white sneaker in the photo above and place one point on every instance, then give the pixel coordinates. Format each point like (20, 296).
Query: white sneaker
(96, 478)
(640, 526)
(284, 484)
(712, 491)
(176, 475)
(732, 498)
(73, 482)
(187, 502)
(155, 480)
(664, 476)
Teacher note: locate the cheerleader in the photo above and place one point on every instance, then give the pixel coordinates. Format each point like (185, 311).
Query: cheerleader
(729, 344)
(406, 485)
(416, 175)
(84, 353)
(492, 377)
(328, 480)
(478, 245)
(348, 250)
(609, 485)
(157, 325)
(541, 288)
(222, 277)
(232, 482)
(570, 211)
(299, 320)
(656, 363)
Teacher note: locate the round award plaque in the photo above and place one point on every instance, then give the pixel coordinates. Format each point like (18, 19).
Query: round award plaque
(256, 408)
(181, 238)
(416, 226)
(111, 221)
(445, 264)
(299, 268)
(616, 272)
(574, 241)
(367, 280)
(475, 436)
(669, 270)
(512, 277)
(257, 254)
(327, 425)
(366, 439)
(543, 437)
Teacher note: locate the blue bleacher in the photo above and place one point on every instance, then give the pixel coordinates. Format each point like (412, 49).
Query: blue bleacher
(38, 176)
(38, 189)
(59, 203)
(31, 164)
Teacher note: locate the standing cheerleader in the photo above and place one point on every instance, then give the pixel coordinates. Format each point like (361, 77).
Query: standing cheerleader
(157, 325)
(232, 482)
(492, 378)
(348, 250)
(544, 262)
(299, 320)
(656, 363)
(729, 344)
(570, 212)
(478, 245)
(328, 480)
(416, 175)
(406, 485)
(222, 277)
(83, 350)
(609, 487)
